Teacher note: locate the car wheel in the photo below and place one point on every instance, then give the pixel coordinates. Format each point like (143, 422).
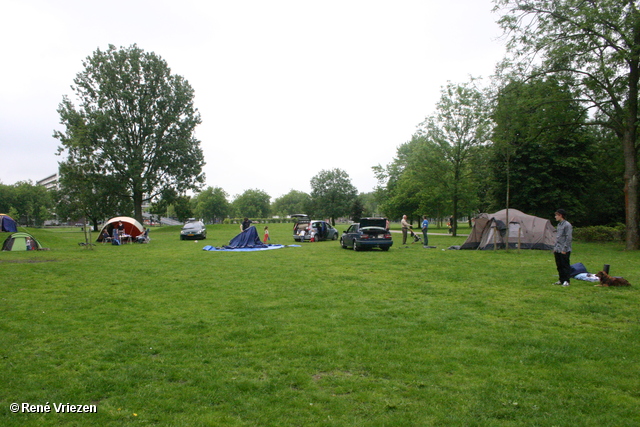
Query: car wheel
(385, 248)
(181, 237)
(342, 243)
(335, 236)
(355, 246)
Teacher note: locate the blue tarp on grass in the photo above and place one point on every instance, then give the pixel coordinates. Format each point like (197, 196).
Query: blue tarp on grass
(246, 241)
(266, 248)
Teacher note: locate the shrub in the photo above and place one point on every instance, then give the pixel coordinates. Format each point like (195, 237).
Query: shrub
(600, 233)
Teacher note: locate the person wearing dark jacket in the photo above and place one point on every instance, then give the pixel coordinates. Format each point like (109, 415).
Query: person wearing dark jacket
(245, 224)
(562, 249)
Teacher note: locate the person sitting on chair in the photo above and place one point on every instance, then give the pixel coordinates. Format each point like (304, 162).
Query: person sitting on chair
(144, 237)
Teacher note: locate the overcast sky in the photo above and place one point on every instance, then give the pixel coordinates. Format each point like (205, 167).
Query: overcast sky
(285, 88)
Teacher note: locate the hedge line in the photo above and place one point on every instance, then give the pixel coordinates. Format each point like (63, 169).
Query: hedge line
(260, 220)
(600, 233)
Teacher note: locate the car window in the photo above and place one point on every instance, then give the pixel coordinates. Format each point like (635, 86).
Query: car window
(192, 225)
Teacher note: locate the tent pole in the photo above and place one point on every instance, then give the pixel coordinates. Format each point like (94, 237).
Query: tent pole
(495, 240)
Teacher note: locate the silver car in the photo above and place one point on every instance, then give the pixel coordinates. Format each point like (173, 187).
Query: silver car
(306, 228)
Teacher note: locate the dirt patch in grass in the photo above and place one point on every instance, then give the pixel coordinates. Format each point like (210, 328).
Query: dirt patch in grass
(27, 261)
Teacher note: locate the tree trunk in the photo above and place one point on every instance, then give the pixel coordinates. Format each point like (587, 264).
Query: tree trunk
(631, 190)
(629, 139)
(137, 206)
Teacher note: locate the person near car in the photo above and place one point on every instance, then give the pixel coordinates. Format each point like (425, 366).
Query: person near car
(246, 223)
(405, 228)
(266, 234)
(425, 227)
(562, 249)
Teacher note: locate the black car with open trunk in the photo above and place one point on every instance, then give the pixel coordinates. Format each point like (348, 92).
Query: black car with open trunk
(367, 234)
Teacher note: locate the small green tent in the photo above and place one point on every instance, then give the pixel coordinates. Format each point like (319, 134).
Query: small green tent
(21, 241)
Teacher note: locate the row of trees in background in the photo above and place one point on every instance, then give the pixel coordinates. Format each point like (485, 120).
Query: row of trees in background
(531, 149)
(333, 196)
(27, 203)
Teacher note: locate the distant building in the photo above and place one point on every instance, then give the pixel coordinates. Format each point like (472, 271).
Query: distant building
(50, 182)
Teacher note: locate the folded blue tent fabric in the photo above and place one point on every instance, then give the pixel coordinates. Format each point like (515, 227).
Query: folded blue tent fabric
(226, 249)
(577, 268)
(8, 224)
(247, 239)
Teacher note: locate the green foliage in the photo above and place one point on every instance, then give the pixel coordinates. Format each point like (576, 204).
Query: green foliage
(93, 196)
(7, 195)
(542, 150)
(26, 203)
(600, 233)
(182, 208)
(294, 202)
(212, 205)
(369, 204)
(315, 335)
(357, 210)
(332, 194)
(135, 123)
(252, 203)
(437, 172)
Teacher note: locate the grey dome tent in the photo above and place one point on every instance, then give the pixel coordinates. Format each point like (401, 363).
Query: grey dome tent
(523, 231)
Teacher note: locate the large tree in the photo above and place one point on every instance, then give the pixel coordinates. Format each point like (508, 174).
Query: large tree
(294, 202)
(252, 203)
(542, 150)
(594, 46)
(454, 137)
(212, 204)
(27, 203)
(135, 122)
(90, 196)
(332, 194)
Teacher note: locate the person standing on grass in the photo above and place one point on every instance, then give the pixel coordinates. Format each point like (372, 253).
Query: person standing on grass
(562, 249)
(266, 234)
(405, 228)
(425, 227)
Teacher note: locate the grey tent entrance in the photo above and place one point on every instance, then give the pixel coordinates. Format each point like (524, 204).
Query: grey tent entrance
(518, 231)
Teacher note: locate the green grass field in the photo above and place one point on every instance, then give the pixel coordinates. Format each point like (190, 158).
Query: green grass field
(168, 334)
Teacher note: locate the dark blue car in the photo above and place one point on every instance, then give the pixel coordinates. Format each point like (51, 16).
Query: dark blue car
(367, 234)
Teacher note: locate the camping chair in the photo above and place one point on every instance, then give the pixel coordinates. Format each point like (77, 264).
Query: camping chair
(144, 237)
(106, 238)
